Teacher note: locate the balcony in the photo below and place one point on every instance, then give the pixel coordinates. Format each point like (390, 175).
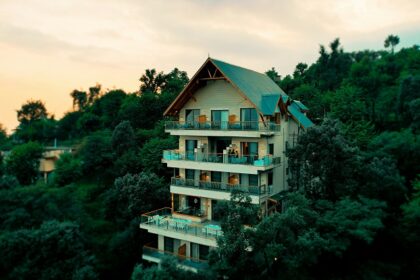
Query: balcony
(155, 255)
(222, 128)
(167, 223)
(219, 162)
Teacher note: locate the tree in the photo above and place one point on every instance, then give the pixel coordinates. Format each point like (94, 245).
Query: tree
(23, 162)
(151, 154)
(151, 81)
(68, 169)
(123, 138)
(31, 111)
(3, 135)
(96, 153)
(94, 93)
(273, 75)
(135, 194)
(8, 182)
(324, 163)
(79, 99)
(391, 41)
(53, 251)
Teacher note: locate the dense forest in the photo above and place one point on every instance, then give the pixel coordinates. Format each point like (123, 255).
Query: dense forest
(352, 212)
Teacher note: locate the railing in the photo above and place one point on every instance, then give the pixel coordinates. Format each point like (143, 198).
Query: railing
(219, 186)
(222, 158)
(191, 212)
(183, 260)
(223, 125)
(162, 218)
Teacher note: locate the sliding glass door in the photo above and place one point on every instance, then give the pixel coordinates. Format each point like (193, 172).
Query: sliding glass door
(249, 118)
(220, 119)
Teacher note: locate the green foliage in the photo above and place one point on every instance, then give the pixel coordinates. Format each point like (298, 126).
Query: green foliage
(135, 194)
(23, 162)
(67, 169)
(391, 41)
(3, 136)
(324, 163)
(96, 153)
(123, 138)
(8, 182)
(79, 99)
(53, 251)
(403, 146)
(169, 270)
(151, 154)
(32, 110)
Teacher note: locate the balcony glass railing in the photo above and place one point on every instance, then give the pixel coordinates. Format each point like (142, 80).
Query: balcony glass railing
(223, 125)
(222, 158)
(219, 186)
(163, 219)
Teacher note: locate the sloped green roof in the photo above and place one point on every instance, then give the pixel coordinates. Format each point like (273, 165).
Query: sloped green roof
(295, 111)
(258, 87)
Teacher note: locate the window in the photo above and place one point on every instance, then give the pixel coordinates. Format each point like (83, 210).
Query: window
(216, 177)
(176, 202)
(220, 118)
(271, 149)
(191, 116)
(204, 252)
(189, 174)
(270, 178)
(169, 244)
(190, 145)
(194, 250)
(253, 180)
(249, 118)
(250, 150)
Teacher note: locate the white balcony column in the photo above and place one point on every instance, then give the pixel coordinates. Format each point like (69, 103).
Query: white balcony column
(225, 156)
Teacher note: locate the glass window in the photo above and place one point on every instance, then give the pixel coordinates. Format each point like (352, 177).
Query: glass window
(249, 118)
(191, 116)
(195, 251)
(253, 180)
(169, 244)
(190, 145)
(176, 202)
(271, 149)
(204, 252)
(189, 174)
(216, 176)
(220, 118)
(270, 179)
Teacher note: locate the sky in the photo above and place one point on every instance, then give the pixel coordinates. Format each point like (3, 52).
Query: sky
(50, 47)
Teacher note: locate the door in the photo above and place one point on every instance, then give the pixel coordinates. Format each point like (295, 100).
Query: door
(220, 119)
(249, 119)
(190, 145)
(182, 250)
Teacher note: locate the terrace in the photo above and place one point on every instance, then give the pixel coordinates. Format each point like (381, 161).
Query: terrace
(219, 186)
(165, 221)
(222, 128)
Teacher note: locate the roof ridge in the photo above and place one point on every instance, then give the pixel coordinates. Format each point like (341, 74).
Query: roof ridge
(237, 66)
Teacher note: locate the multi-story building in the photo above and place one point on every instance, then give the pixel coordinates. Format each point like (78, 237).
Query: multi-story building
(233, 125)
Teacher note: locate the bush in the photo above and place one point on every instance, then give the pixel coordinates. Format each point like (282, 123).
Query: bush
(67, 169)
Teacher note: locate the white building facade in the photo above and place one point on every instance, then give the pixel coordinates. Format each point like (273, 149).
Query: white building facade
(234, 126)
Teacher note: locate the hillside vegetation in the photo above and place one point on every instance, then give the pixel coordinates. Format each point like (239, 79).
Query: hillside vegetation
(353, 211)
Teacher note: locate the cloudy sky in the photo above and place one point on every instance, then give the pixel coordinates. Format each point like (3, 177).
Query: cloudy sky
(50, 47)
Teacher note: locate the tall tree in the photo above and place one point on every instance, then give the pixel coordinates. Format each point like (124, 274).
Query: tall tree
(391, 41)
(32, 110)
(152, 81)
(79, 99)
